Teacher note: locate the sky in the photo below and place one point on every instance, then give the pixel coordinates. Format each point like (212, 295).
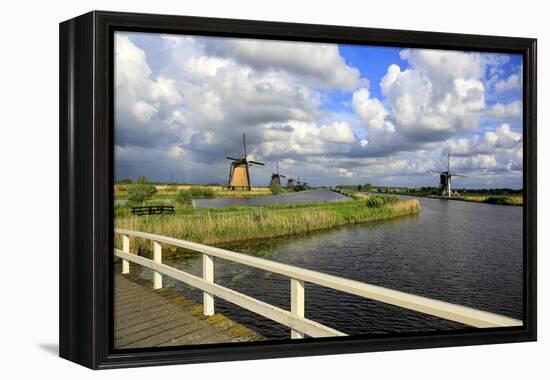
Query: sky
(331, 114)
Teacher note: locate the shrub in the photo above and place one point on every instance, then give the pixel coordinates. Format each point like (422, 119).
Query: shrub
(184, 197)
(300, 188)
(201, 192)
(140, 192)
(497, 201)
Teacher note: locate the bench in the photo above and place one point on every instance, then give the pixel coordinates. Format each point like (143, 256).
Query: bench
(153, 210)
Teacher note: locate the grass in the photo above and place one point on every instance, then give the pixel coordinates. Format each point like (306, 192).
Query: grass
(216, 226)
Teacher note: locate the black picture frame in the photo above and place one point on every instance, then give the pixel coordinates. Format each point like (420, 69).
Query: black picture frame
(86, 180)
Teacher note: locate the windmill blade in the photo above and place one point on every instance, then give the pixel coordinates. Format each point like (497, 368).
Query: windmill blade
(234, 159)
(457, 175)
(434, 172)
(282, 176)
(256, 162)
(244, 146)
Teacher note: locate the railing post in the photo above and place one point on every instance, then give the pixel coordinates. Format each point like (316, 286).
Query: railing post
(297, 304)
(208, 275)
(125, 248)
(157, 258)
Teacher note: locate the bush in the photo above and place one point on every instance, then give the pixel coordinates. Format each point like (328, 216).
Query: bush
(184, 197)
(140, 192)
(496, 201)
(201, 192)
(300, 188)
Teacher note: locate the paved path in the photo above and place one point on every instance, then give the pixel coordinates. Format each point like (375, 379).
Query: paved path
(150, 318)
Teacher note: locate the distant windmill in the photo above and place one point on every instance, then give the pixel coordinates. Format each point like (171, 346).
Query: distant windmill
(276, 177)
(445, 189)
(239, 174)
(300, 183)
(290, 183)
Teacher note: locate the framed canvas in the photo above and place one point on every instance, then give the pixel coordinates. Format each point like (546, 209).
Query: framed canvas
(235, 189)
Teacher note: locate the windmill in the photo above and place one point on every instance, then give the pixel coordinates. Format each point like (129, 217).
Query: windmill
(239, 175)
(276, 177)
(445, 181)
(290, 183)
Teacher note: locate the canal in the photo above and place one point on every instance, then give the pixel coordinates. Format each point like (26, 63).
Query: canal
(460, 252)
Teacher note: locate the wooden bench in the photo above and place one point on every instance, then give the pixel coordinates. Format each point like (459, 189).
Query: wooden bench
(153, 210)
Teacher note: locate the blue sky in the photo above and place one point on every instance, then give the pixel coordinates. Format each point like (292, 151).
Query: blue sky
(332, 114)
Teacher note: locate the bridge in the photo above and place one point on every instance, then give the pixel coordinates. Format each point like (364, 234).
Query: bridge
(295, 319)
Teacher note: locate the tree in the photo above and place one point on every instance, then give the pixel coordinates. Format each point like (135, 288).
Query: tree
(367, 187)
(140, 191)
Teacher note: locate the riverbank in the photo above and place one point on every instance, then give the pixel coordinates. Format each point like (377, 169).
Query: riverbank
(226, 225)
(503, 200)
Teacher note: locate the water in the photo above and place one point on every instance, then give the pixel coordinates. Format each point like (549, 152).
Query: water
(308, 196)
(460, 252)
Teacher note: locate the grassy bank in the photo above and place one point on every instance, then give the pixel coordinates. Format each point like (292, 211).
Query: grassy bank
(495, 199)
(217, 226)
(171, 191)
(507, 200)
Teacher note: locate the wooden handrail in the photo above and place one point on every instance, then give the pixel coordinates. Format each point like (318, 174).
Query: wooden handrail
(466, 315)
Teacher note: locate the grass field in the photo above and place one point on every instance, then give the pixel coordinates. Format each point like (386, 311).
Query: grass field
(215, 226)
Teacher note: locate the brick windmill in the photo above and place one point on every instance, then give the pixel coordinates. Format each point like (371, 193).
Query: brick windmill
(239, 174)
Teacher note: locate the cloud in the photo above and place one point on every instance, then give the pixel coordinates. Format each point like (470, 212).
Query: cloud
(143, 111)
(513, 82)
(501, 139)
(372, 112)
(205, 108)
(440, 95)
(338, 132)
(141, 99)
(303, 140)
(317, 63)
(500, 151)
(513, 110)
(183, 102)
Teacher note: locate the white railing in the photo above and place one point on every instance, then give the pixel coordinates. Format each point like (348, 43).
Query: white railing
(295, 318)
